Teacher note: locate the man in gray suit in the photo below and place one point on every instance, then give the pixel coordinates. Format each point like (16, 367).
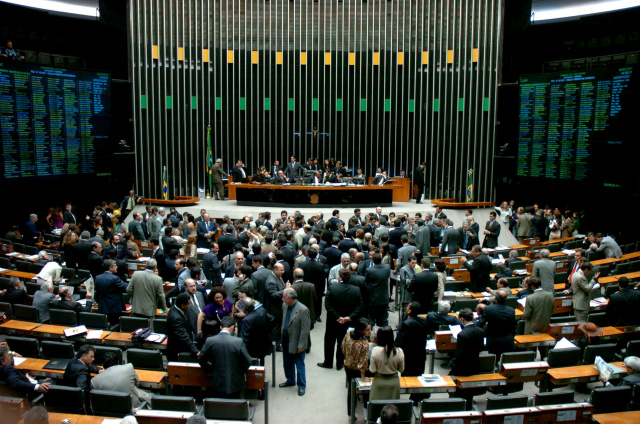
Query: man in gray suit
(135, 227)
(404, 253)
(581, 290)
(525, 220)
(295, 336)
(538, 309)
(423, 238)
(450, 239)
(119, 378)
(146, 291)
(212, 266)
(226, 360)
(545, 269)
(273, 300)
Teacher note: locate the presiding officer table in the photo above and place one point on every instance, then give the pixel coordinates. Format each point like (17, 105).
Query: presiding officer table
(311, 195)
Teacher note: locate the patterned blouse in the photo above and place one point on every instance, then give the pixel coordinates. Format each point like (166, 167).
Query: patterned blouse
(356, 353)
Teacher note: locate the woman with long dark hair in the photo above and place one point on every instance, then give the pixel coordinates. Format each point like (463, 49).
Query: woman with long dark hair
(355, 347)
(386, 361)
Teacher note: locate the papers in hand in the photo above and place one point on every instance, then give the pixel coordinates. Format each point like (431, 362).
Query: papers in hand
(455, 330)
(431, 345)
(607, 370)
(564, 343)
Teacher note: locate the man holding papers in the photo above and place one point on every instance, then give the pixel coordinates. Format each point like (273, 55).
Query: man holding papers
(632, 365)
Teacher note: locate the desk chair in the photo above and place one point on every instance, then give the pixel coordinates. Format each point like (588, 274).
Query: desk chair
(145, 359)
(560, 277)
(553, 398)
(598, 318)
(94, 321)
(606, 400)
(611, 289)
(632, 349)
(129, 324)
(31, 250)
(229, 409)
(7, 309)
(486, 363)
(441, 405)
(455, 286)
(103, 350)
(23, 266)
(464, 303)
(634, 266)
(514, 282)
(604, 270)
(592, 256)
(520, 327)
(509, 358)
(32, 288)
(160, 325)
(26, 313)
(19, 247)
(559, 358)
(629, 248)
(619, 269)
(110, 403)
(68, 273)
(57, 350)
(606, 351)
(26, 346)
(507, 402)
(65, 399)
(517, 265)
(635, 397)
(174, 403)
(555, 247)
(185, 357)
(374, 408)
(512, 302)
(63, 317)
(5, 263)
(36, 268)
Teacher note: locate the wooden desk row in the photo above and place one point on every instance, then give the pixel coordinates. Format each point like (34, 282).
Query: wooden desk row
(567, 413)
(58, 417)
(624, 258)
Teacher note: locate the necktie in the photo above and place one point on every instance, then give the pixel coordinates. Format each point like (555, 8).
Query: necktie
(130, 203)
(195, 302)
(207, 225)
(243, 174)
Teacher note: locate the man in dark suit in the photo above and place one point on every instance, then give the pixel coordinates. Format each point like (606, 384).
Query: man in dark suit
(68, 217)
(259, 277)
(179, 331)
(412, 338)
(157, 253)
(108, 292)
(66, 302)
(423, 286)
(212, 266)
(396, 233)
(170, 243)
(491, 231)
(135, 227)
(466, 361)
(206, 230)
(255, 330)
(501, 326)
(82, 249)
(621, 309)
(226, 361)
(377, 278)
(467, 237)
(17, 379)
(333, 253)
(273, 300)
(79, 370)
(450, 239)
(197, 303)
(275, 168)
(306, 293)
(226, 242)
(95, 260)
(240, 173)
(294, 169)
(31, 233)
(14, 293)
(344, 305)
(128, 203)
(314, 271)
(419, 179)
(480, 269)
(503, 271)
(442, 317)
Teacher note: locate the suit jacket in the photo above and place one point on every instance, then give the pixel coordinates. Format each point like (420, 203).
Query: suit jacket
(77, 374)
(71, 305)
(395, 234)
(307, 296)
(17, 380)
(273, 295)
(179, 334)
(412, 338)
(435, 320)
(314, 273)
(377, 278)
(501, 328)
(125, 202)
(524, 225)
(343, 300)
(419, 180)
(621, 308)
(226, 360)
(435, 235)
(69, 218)
(470, 344)
(81, 252)
(169, 243)
(146, 291)
(403, 255)
(255, 333)
(545, 269)
(31, 233)
(108, 293)
(491, 239)
(121, 378)
(537, 312)
(95, 262)
(333, 256)
(135, 228)
(237, 174)
(423, 287)
(193, 311)
(423, 240)
(217, 173)
(298, 328)
(472, 240)
(450, 241)
(211, 268)
(293, 171)
(480, 272)
(226, 242)
(15, 297)
(201, 230)
(581, 289)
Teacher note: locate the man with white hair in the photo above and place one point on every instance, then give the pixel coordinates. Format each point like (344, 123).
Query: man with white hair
(345, 259)
(43, 299)
(632, 366)
(545, 269)
(218, 186)
(31, 233)
(442, 317)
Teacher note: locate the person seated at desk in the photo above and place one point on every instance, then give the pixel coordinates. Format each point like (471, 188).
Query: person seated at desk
(14, 293)
(79, 370)
(501, 284)
(120, 378)
(607, 245)
(66, 302)
(590, 335)
(621, 307)
(389, 414)
(479, 270)
(527, 289)
(503, 271)
(19, 380)
(280, 179)
(380, 179)
(9, 53)
(442, 317)
(13, 235)
(632, 366)
(258, 177)
(330, 177)
(513, 257)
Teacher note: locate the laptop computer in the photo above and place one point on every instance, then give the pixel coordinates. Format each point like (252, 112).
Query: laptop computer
(57, 364)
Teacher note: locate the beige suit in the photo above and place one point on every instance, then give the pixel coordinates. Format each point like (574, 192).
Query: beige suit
(121, 378)
(147, 293)
(581, 290)
(537, 312)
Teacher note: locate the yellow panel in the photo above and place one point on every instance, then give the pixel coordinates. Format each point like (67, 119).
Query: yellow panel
(327, 58)
(278, 58)
(400, 58)
(376, 58)
(352, 58)
(303, 58)
(254, 57)
(229, 56)
(474, 55)
(425, 58)
(205, 55)
(180, 53)
(155, 52)
(449, 56)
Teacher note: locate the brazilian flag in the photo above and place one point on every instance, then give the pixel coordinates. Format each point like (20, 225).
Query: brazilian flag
(210, 159)
(470, 185)
(165, 187)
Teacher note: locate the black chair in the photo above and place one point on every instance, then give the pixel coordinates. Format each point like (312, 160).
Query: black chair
(94, 320)
(629, 248)
(103, 350)
(7, 309)
(486, 363)
(68, 273)
(518, 265)
(592, 256)
(374, 408)
(553, 398)
(513, 357)
(65, 399)
(110, 403)
(606, 400)
(23, 266)
(520, 327)
(129, 324)
(558, 320)
(634, 266)
(632, 349)
(32, 288)
(228, 409)
(554, 247)
(611, 289)
(442, 405)
(26, 313)
(507, 402)
(635, 397)
(57, 350)
(31, 250)
(622, 269)
(5, 263)
(559, 358)
(19, 247)
(465, 303)
(4, 282)
(511, 301)
(160, 326)
(604, 270)
(560, 277)
(185, 357)
(606, 351)
(514, 282)
(36, 268)
(599, 319)
(145, 359)
(455, 286)
(173, 403)
(25, 346)
(63, 317)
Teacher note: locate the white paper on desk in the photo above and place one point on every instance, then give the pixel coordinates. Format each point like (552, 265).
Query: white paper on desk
(455, 329)
(520, 271)
(523, 302)
(449, 278)
(13, 254)
(569, 251)
(465, 251)
(94, 334)
(431, 345)
(564, 343)
(3, 269)
(431, 383)
(18, 361)
(449, 293)
(111, 421)
(145, 258)
(83, 302)
(486, 294)
(31, 257)
(453, 261)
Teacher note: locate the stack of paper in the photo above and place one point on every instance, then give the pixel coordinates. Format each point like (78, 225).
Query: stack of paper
(563, 344)
(455, 330)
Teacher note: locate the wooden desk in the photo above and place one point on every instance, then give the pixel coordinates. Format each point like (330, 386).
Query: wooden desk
(18, 327)
(519, 246)
(607, 261)
(536, 340)
(610, 333)
(462, 274)
(629, 329)
(453, 262)
(480, 380)
(522, 372)
(630, 256)
(560, 240)
(571, 413)
(21, 275)
(580, 374)
(569, 330)
(462, 417)
(562, 305)
(512, 415)
(124, 339)
(630, 417)
(48, 331)
(413, 385)
(444, 341)
(187, 374)
(148, 416)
